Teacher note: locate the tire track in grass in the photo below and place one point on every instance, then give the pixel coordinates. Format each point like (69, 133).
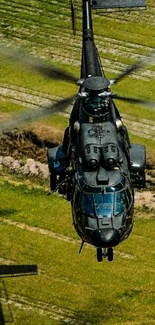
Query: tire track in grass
(55, 235)
(6, 261)
(44, 309)
(25, 96)
(31, 35)
(35, 99)
(41, 231)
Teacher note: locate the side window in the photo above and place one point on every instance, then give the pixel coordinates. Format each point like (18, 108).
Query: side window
(120, 202)
(129, 196)
(87, 203)
(77, 197)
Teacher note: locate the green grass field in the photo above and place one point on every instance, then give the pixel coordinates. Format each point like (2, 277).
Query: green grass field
(72, 286)
(35, 228)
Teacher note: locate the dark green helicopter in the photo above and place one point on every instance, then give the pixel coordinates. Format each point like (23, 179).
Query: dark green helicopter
(96, 168)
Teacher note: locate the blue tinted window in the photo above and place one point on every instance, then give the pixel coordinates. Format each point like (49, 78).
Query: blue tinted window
(103, 205)
(97, 205)
(120, 202)
(88, 204)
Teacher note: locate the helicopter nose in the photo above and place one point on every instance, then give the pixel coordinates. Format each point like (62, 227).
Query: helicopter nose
(105, 237)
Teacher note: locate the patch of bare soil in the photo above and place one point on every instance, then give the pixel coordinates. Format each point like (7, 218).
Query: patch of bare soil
(25, 152)
(30, 143)
(145, 199)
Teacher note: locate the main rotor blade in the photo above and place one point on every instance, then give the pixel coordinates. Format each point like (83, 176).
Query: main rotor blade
(133, 68)
(134, 101)
(30, 116)
(36, 64)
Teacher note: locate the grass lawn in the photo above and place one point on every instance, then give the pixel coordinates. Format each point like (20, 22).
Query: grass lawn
(72, 285)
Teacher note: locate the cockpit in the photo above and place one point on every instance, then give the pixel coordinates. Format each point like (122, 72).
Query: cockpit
(101, 214)
(101, 205)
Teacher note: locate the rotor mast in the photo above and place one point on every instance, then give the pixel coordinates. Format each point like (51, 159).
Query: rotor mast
(90, 60)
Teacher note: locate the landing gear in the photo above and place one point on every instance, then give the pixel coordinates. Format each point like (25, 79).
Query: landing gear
(99, 254)
(107, 252)
(110, 254)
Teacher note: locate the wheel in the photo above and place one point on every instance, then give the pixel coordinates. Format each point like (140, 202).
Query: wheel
(110, 254)
(99, 254)
(53, 181)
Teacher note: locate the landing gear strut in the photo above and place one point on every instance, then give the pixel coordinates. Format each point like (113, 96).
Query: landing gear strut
(107, 252)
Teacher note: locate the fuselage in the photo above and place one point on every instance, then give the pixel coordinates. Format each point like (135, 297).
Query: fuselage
(96, 166)
(102, 204)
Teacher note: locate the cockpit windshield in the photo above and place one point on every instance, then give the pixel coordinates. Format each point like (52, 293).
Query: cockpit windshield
(97, 204)
(100, 205)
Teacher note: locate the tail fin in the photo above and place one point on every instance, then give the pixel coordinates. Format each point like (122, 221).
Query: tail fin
(111, 4)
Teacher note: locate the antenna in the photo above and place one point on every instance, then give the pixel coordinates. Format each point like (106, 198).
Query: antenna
(73, 16)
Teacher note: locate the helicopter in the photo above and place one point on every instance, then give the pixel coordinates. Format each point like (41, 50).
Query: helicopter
(96, 168)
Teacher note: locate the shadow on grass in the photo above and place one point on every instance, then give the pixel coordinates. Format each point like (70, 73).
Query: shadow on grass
(6, 315)
(7, 212)
(98, 311)
(2, 320)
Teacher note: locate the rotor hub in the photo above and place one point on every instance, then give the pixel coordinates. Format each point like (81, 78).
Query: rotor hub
(96, 83)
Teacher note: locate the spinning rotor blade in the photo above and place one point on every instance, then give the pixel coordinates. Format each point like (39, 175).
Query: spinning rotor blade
(30, 116)
(35, 64)
(133, 68)
(134, 101)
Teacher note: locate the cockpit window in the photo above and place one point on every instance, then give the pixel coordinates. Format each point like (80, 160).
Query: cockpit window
(120, 202)
(129, 196)
(100, 205)
(88, 204)
(97, 205)
(104, 205)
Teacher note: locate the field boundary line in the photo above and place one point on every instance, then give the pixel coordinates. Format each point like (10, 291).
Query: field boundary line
(55, 235)
(44, 309)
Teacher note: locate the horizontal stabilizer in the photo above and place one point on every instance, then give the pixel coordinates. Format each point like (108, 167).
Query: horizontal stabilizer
(111, 4)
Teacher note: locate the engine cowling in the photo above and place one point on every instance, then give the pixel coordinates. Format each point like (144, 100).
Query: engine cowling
(92, 156)
(110, 155)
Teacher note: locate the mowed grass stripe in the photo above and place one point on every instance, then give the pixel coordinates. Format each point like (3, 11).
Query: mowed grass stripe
(75, 282)
(41, 231)
(58, 236)
(46, 18)
(45, 309)
(23, 211)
